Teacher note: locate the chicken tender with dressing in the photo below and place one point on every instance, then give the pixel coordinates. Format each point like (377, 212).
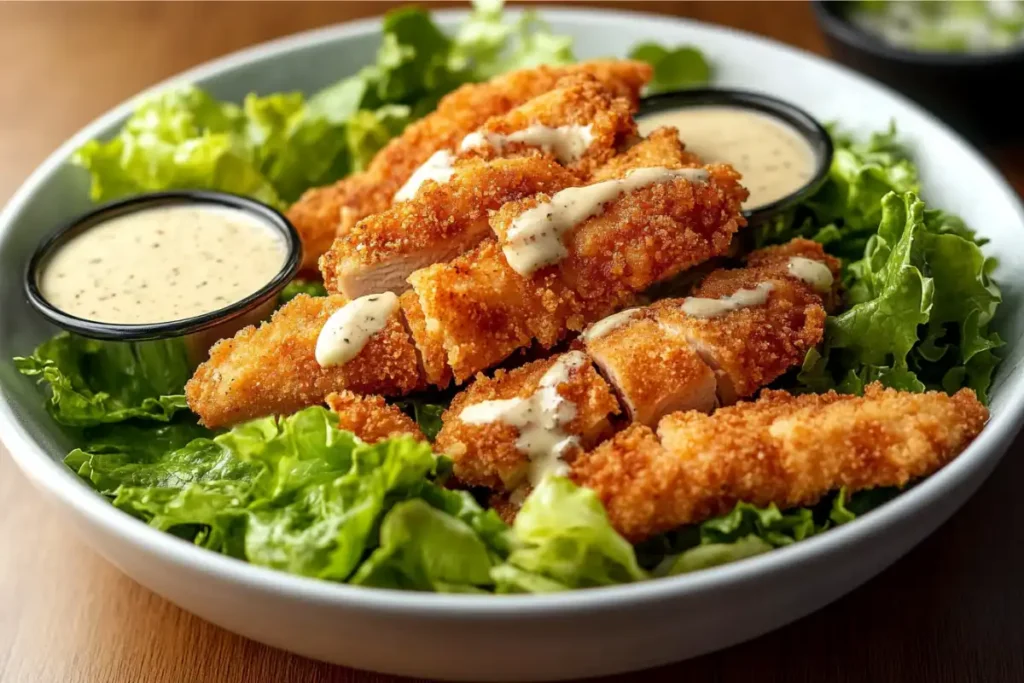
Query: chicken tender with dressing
(441, 222)
(782, 449)
(482, 310)
(272, 369)
(522, 424)
(322, 212)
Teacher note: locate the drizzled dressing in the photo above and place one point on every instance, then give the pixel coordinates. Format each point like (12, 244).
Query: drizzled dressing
(699, 307)
(162, 264)
(349, 328)
(773, 158)
(540, 419)
(535, 238)
(439, 168)
(567, 143)
(814, 273)
(610, 324)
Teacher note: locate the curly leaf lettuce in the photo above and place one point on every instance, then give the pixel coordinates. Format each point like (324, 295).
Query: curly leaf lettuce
(921, 300)
(94, 382)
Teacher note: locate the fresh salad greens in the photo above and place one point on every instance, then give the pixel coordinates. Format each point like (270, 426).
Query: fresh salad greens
(960, 26)
(919, 294)
(298, 494)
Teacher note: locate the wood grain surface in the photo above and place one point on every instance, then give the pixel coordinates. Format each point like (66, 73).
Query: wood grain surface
(951, 611)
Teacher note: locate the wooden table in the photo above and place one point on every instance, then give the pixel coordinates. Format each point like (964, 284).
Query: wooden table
(952, 610)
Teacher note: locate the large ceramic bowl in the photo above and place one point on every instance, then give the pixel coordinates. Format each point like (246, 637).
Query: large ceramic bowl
(526, 637)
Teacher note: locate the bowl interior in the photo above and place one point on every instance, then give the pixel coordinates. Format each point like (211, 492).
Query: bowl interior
(955, 176)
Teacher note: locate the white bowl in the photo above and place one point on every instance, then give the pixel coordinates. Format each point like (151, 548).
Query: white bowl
(598, 631)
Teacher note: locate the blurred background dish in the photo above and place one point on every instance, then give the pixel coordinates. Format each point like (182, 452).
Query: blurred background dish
(958, 59)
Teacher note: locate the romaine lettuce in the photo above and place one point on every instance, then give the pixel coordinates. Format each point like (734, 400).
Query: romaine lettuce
(94, 382)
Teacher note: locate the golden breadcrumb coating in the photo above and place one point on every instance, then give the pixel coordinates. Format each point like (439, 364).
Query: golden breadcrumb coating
(370, 418)
(774, 262)
(482, 311)
(439, 223)
(578, 100)
(431, 353)
(272, 369)
(782, 449)
(660, 148)
(749, 347)
(321, 212)
(654, 370)
(486, 454)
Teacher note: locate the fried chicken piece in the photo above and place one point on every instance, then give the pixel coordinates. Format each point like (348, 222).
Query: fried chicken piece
(749, 347)
(495, 453)
(441, 222)
(775, 261)
(272, 369)
(431, 353)
(322, 212)
(370, 418)
(661, 358)
(662, 148)
(481, 310)
(599, 124)
(654, 370)
(782, 449)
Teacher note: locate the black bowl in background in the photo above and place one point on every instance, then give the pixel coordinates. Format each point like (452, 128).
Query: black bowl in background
(971, 92)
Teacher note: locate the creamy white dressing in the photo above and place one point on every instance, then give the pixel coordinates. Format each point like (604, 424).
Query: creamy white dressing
(439, 168)
(610, 324)
(540, 419)
(349, 328)
(774, 159)
(712, 308)
(814, 273)
(162, 264)
(535, 238)
(567, 143)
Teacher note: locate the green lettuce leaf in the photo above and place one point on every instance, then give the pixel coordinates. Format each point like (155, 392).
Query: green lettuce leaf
(427, 414)
(301, 286)
(564, 539)
(93, 382)
(675, 69)
(921, 300)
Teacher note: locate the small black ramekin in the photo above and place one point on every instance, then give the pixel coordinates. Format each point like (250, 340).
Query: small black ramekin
(797, 119)
(971, 92)
(198, 332)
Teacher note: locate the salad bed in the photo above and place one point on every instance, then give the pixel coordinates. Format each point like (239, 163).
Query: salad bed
(297, 494)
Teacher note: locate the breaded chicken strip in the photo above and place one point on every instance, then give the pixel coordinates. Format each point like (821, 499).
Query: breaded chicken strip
(321, 212)
(581, 124)
(562, 396)
(441, 222)
(782, 449)
(663, 358)
(272, 369)
(431, 354)
(370, 418)
(481, 310)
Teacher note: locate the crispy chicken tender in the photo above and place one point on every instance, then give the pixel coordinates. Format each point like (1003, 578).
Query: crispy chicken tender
(370, 418)
(322, 212)
(653, 369)
(749, 347)
(432, 357)
(774, 261)
(782, 449)
(272, 369)
(487, 454)
(481, 310)
(661, 359)
(441, 222)
(578, 100)
(660, 148)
